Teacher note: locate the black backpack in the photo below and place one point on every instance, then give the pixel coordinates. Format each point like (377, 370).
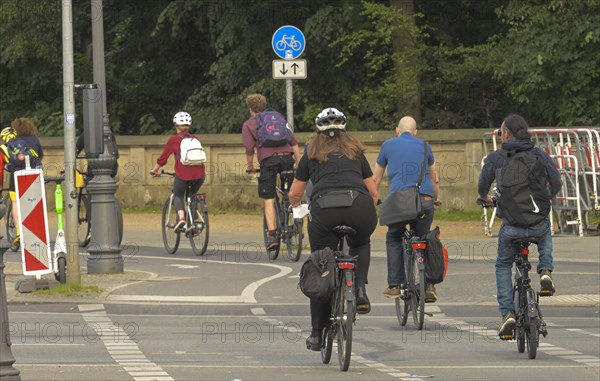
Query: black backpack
(524, 199)
(317, 275)
(17, 148)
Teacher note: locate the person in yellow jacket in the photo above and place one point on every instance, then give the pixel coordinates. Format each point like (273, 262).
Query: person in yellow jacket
(20, 140)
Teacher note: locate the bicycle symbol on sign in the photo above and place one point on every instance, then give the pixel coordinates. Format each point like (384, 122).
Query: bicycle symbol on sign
(288, 41)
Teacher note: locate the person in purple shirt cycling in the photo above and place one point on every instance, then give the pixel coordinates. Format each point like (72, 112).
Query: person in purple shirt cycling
(273, 160)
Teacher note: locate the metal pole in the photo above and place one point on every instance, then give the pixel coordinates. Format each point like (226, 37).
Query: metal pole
(73, 274)
(289, 97)
(7, 372)
(104, 249)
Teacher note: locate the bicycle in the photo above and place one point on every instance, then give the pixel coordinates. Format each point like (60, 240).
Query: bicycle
(59, 252)
(84, 211)
(528, 315)
(9, 221)
(196, 209)
(84, 229)
(413, 297)
(343, 305)
(289, 229)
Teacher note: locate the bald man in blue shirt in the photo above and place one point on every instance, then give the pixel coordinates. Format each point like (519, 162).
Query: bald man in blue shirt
(403, 157)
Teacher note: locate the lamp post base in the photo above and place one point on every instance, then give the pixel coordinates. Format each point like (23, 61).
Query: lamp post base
(7, 371)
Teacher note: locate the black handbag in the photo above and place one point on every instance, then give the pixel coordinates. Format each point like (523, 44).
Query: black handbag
(336, 199)
(404, 205)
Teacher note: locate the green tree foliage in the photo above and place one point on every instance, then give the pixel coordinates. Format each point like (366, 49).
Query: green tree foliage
(470, 62)
(549, 60)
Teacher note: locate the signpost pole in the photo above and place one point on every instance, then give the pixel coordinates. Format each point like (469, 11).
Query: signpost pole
(289, 97)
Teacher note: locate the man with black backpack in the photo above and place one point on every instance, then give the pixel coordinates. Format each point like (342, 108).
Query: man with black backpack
(267, 132)
(527, 180)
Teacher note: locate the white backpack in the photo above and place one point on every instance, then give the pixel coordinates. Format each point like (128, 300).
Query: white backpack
(191, 150)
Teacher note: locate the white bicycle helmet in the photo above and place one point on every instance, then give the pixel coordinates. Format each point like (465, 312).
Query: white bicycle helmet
(182, 118)
(330, 119)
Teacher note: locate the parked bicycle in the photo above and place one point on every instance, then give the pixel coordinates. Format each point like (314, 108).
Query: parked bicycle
(196, 222)
(343, 304)
(528, 315)
(413, 296)
(289, 229)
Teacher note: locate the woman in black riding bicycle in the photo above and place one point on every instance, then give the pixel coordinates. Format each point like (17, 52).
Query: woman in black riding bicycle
(185, 175)
(344, 193)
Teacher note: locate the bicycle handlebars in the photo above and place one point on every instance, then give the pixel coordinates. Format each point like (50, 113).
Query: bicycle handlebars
(485, 204)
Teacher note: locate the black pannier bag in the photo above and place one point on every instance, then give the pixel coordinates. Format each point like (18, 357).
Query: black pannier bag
(317, 275)
(436, 258)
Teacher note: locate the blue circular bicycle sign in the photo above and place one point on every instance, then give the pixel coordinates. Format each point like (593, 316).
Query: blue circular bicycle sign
(288, 42)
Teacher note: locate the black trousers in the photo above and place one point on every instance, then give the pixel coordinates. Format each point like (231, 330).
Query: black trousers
(179, 188)
(363, 218)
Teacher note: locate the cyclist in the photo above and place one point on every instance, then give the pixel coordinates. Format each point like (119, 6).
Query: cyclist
(273, 160)
(516, 138)
(344, 193)
(6, 134)
(184, 174)
(403, 155)
(22, 138)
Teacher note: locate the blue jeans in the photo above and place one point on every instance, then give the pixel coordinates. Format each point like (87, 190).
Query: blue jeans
(506, 257)
(393, 243)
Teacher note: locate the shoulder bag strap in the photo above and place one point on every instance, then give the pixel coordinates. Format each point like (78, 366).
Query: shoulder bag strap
(424, 164)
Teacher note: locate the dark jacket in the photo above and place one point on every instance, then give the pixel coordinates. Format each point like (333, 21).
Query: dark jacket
(494, 161)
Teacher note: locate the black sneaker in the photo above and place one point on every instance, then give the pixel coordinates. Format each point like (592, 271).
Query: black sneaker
(313, 343)
(508, 326)
(272, 242)
(546, 283)
(363, 305)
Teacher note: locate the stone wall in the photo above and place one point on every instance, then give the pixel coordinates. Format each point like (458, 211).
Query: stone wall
(458, 155)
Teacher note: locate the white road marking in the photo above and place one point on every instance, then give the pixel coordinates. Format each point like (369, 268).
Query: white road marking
(578, 330)
(120, 346)
(247, 296)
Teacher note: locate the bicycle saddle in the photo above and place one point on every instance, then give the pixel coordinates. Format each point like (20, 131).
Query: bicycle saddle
(341, 230)
(533, 240)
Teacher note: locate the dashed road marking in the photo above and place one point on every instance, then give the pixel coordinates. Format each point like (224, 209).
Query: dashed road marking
(119, 345)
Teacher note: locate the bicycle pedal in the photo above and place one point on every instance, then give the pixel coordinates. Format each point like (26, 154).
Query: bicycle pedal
(546, 293)
(506, 337)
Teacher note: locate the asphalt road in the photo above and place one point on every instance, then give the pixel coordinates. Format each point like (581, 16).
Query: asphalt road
(233, 314)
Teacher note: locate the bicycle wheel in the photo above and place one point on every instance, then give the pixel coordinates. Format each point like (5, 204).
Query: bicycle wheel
(327, 344)
(83, 220)
(293, 239)
(533, 338)
(11, 230)
(520, 335)
(417, 299)
(61, 262)
(402, 308)
(345, 314)
(169, 219)
(273, 254)
(199, 234)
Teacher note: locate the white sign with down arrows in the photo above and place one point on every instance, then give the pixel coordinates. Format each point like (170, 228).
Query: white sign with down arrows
(289, 69)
